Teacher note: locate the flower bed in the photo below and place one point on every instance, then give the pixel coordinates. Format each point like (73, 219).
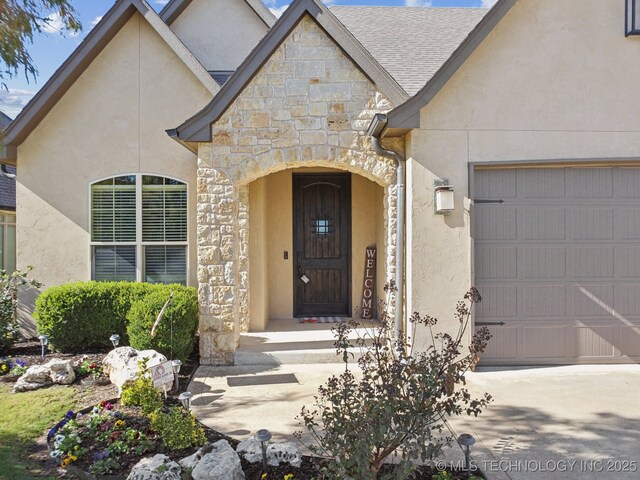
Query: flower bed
(106, 441)
(11, 368)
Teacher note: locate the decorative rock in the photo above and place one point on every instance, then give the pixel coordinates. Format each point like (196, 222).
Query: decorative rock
(38, 376)
(222, 463)
(250, 449)
(121, 364)
(191, 461)
(287, 452)
(158, 467)
(277, 453)
(61, 372)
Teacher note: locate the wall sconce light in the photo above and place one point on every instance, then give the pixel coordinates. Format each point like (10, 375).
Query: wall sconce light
(632, 14)
(444, 197)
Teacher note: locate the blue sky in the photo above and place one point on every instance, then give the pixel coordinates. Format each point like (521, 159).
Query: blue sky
(50, 48)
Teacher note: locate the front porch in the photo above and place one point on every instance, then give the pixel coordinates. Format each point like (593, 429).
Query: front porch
(289, 342)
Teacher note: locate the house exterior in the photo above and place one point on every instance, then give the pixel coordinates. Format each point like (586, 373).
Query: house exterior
(145, 158)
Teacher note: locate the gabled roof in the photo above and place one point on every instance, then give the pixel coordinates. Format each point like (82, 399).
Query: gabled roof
(410, 43)
(197, 128)
(174, 8)
(5, 120)
(407, 116)
(81, 58)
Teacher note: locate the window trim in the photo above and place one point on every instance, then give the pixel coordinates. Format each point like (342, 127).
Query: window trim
(139, 244)
(5, 238)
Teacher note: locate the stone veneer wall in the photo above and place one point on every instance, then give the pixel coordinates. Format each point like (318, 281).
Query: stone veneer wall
(308, 106)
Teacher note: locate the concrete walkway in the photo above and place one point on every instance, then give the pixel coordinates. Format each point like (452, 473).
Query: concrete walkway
(565, 422)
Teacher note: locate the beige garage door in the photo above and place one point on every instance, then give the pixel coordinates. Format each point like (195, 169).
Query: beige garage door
(558, 262)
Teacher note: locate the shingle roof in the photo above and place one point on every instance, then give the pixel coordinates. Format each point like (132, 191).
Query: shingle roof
(4, 120)
(411, 43)
(8, 191)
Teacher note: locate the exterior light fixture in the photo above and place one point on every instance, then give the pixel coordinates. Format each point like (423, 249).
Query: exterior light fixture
(444, 201)
(44, 341)
(632, 15)
(175, 365)
(263, 436)
(115, 340)
(465, 440)
(185, 399)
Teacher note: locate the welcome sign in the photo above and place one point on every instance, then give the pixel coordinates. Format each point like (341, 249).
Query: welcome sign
(368, 290)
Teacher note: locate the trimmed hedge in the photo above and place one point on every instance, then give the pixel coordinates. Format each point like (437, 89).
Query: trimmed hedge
(180, 321)
(83, 315)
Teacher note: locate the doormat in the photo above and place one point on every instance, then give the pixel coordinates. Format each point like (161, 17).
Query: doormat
(323, 319)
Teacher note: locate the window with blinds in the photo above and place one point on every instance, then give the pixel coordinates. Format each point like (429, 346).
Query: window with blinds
(139, 229)
(113, 210)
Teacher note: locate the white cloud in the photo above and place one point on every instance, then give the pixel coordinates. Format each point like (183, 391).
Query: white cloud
(278, 11)
(161, 2)
(54, 24)
(417, 3)
(488, 3)
(12, 101)
(95, 21)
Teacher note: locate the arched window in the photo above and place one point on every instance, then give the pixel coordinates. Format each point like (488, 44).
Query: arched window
(139, 229)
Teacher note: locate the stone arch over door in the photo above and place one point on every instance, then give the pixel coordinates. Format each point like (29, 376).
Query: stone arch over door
(223, 232)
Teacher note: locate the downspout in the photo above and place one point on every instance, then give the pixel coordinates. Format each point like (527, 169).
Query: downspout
(375, 129)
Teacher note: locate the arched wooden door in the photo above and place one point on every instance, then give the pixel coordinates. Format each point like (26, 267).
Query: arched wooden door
(322, 244)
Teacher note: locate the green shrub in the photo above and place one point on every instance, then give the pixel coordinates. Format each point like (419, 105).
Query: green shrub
(83, 315)
(175, 334)
(141, 392)
(177, 428)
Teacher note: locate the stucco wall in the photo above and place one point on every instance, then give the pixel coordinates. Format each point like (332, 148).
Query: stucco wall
(552, 81)
(220, 33)
(271, 234)
(110, 122)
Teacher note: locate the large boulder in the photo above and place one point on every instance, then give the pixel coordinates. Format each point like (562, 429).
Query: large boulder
(55, 371)
(222, 463)
(191, 461)
(122, 364)
(158, 467)
(277, 453)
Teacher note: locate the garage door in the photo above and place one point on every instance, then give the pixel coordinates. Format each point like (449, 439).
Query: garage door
(557, 260)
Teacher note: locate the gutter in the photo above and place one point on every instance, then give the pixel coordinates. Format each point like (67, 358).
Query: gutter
(378, 124)
(173, 134)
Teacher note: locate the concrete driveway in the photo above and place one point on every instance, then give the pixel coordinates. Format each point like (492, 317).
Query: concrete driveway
(578, 422)
(545, 423)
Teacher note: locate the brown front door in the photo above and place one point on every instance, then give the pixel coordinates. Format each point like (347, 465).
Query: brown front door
(322, 244)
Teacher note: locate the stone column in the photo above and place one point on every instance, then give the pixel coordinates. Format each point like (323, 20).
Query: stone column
(218, 264)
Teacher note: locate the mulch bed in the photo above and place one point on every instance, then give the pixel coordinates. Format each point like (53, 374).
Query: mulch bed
(89, 394)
